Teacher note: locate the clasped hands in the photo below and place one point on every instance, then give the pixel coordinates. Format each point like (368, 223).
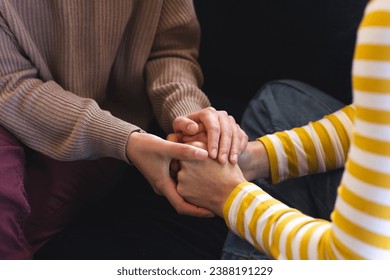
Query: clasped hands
(224, 140)
(205, 137)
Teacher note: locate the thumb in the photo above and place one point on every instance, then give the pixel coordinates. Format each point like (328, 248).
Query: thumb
(185, 125)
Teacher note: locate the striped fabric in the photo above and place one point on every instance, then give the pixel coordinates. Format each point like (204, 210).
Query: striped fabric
(317, 147)
(360, 227)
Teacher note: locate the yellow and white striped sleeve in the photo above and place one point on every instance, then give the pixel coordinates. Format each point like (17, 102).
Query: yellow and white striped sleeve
(360, 227)
(317, 147)
(362, 211)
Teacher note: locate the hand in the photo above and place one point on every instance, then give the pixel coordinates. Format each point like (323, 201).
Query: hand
(254, 161)
(152, 156)
(174, 166)
(224, 138)
(208, 183)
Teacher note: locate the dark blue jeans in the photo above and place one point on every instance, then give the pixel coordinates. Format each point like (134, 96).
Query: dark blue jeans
(278, 106)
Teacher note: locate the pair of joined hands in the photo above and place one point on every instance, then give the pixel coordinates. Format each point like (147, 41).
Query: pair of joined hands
(208, 141)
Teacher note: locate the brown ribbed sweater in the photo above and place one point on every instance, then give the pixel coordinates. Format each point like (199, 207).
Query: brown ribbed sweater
(77, 77)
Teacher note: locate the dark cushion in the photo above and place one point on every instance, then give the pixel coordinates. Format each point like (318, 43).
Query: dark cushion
(246, 43)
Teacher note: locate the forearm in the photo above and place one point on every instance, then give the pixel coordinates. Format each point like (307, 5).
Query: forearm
(58, 123)
(254, 162)
(48, 118)
(317, 147)
(274, 228)
(173, 75)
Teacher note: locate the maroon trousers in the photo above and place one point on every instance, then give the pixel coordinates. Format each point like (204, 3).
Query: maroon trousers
(39, 196)
(98, 209)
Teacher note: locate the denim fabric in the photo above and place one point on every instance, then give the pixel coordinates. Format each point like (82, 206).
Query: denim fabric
(278, 106)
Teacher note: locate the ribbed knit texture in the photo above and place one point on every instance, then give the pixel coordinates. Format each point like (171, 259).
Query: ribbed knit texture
(77, 77)
(360, 227)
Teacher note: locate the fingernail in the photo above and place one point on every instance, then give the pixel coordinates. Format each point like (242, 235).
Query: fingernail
(192, 127)
(234, 159)
(214, 153)
(223, 158)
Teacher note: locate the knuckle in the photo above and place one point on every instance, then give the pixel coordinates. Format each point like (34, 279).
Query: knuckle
(179, 188)
(180, 210)
(223, 112)
(214, 128)
(157, 191)
(209, 111)
(177, 121)
(228, 137)
(234, 151)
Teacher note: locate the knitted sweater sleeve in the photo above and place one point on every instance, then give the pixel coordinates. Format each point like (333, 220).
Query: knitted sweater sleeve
(360, 222)
(48, 118)
(172, 72)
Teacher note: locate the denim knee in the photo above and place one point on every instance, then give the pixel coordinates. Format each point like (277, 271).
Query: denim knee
(236, 248)
(285, 104)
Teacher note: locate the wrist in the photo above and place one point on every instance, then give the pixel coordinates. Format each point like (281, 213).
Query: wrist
(254, 163)
(229, 185)
(132, 144)
(262, 159)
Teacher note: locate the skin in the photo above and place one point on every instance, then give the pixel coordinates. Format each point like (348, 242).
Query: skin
(152, 155)
(157, 159)
(254, 161)
(224, 138)
(208, 183)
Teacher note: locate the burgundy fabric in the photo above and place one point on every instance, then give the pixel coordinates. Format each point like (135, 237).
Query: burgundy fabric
(13, 203)
(56, 192)
(98, 209)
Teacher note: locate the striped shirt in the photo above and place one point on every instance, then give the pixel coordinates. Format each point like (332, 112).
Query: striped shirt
(358, 136)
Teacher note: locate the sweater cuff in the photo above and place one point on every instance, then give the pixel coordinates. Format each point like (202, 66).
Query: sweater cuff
(109, 136)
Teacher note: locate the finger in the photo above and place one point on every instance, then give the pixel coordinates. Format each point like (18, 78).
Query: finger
(175, 137)
(235, 147)
(209, 118)
(184, 151)
(185, 125)
(225, 141)
(198, 144)
(181, 206)
(201, 128)
(199, 137)
(244, 141)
